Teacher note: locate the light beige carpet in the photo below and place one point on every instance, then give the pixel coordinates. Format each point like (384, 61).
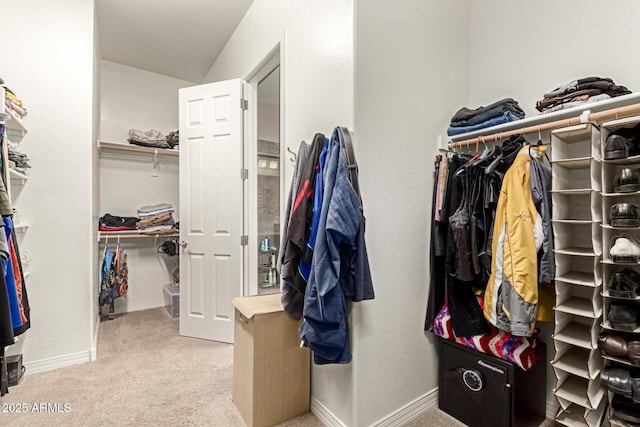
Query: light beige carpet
(145, 375)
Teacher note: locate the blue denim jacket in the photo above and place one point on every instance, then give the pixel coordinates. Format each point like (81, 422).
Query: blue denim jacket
(325, 330)
(318, 191)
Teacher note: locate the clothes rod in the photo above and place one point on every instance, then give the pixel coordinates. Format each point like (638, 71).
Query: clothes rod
(615, 113)
(134, 236)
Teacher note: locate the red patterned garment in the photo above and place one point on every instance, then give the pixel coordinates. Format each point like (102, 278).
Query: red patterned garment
(524, 352)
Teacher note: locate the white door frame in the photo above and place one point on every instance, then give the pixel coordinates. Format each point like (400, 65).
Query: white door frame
(274, 58)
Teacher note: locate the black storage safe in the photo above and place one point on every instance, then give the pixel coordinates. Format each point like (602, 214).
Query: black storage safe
(484, 391)
(15, 369)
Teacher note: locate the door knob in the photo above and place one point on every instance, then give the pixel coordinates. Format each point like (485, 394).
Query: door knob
(184, 244)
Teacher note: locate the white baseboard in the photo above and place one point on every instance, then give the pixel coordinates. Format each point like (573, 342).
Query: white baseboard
(94, 346)
(325, 416)
(45, 365)
(410, 410)
(402, 415)
(397, 418)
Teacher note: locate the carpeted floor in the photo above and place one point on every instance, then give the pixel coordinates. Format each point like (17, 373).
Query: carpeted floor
(145, 375)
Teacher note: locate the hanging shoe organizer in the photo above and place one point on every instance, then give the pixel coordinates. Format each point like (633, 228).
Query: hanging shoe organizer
(577, 219)
(619, 187)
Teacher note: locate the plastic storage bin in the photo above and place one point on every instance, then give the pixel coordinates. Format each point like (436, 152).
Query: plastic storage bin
(172, 300)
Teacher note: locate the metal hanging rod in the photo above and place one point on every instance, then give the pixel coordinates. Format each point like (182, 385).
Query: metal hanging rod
(133, 235)
(614, 113)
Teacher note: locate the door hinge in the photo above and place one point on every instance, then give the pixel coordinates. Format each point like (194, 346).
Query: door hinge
(244, 173)
(244, 240)
(244, 104)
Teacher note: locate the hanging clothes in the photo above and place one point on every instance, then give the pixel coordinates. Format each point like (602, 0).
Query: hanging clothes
(14, 304)
(541, 195)
(355, 272)
(304, 267)
(6, 325)
(7, 267)
(25, 308)
(293, 285)
(325, 328)
(437, 275)
(466, 195)
(540, 177)
(511, 297)
(301, 157)
(114, 279)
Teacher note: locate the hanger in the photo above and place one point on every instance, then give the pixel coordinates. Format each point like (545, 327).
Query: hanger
(486, 153)
(477, 155)
(539, 137)
(497, 157)
(540, 148)
(294, 155)
(447, 152)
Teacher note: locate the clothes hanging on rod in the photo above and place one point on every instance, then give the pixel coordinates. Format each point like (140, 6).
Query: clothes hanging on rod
(114, 277)
(15, 311)
(20, 312)
(470, 201)
(512, 294)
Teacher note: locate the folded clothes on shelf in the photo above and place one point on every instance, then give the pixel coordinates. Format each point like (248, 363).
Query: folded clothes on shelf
(164, 218)
(156, 219)
(468, 120)
(13, 103)
(173, 138)
(150, 138)
(109, 222)
(159, 229)
(578, 92)
(151, 210)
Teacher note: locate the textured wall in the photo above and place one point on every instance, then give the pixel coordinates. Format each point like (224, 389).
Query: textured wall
(523, 49)
(411, 72)
(49, 64)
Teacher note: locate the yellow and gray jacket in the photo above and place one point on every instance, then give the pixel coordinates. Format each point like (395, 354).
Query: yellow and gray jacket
(511, 297)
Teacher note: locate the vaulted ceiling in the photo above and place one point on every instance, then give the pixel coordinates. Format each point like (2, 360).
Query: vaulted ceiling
(177, 38)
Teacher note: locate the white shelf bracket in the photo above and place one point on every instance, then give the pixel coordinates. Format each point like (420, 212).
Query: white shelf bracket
(584, 116)
(155, 165)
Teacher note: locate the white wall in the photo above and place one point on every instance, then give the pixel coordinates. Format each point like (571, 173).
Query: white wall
(411, 73)
(49, 64)
(522, 49)
(135, 99)
(95, 187)
(317, 74)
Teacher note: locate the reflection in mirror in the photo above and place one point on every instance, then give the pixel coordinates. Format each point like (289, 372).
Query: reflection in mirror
(269, 169)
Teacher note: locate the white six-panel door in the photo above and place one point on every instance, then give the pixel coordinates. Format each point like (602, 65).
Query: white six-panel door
(211, 210)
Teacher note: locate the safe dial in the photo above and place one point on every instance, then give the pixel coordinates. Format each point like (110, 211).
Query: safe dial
(472, 379)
